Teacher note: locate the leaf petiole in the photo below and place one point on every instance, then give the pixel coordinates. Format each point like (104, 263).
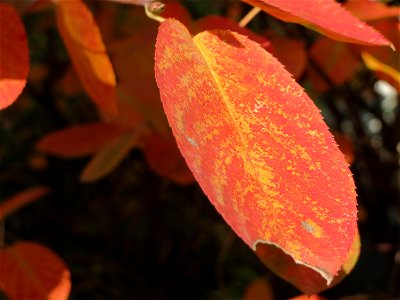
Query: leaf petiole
(250, 16)
(153, 9)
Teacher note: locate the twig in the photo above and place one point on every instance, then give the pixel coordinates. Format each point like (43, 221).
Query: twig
(250, 16)
(153, 9)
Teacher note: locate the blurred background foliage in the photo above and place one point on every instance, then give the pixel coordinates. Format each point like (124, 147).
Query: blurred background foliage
(135, 235)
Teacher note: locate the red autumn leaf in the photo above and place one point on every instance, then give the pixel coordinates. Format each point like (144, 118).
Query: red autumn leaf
(368, 10)
(257, 145)
(69, 84)
(258, 289)
(335, 59)
(291, 53)
(110, 156)
(345, 145)
(15, 202)
(14, 56)
(164, 158)
(128, 115)
(88, 54)
(31, 271)
(79, 140)
(327, 17)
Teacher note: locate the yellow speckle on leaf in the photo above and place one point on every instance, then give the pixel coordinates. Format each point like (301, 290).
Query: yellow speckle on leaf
(312, 228)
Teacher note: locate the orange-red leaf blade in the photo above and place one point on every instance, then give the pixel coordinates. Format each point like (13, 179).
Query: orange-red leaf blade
(87, 51)
(79, 140)
(19, 200)
(31, 271)
(327, 17)
(14, 56)
(257, 145)
(304, 278)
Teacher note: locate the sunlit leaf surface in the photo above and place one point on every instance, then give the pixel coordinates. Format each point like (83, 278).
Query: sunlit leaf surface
(14, 56)
(257, 145)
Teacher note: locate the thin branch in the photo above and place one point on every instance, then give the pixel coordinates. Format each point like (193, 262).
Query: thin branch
(250, 16)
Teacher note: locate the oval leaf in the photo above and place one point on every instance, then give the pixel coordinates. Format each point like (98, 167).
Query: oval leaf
(15, 202)
(32, 271)
(79, 140)
(14, 56)
(164, 158)
(318, 15)
(259, 289)
(86, 49)
(257, 145)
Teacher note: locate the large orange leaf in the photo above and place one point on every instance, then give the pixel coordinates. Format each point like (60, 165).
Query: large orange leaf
(257, 145)
(79, 140)
(19, 200)
(86, 49)
(31, 271)
(327, 17)
(14, 57)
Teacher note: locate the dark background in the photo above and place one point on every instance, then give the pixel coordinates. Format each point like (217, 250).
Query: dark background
(135, 235)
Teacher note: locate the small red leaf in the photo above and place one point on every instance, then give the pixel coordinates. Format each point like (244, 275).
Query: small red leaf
(318, 15)
(31, 271)
(259, 289)
(86, 49)
(345, 146)
(79, 140)
(257, 145)
(335, 59)
(15, 202)
(14, 56)
(291, 53)
(164, 158)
